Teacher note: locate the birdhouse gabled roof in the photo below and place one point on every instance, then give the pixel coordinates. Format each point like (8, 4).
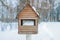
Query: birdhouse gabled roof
(33, 8)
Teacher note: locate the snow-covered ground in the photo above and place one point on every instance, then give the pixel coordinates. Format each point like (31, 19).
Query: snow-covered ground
(46, 31)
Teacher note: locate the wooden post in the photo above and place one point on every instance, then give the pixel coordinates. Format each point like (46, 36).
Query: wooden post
(28, 37)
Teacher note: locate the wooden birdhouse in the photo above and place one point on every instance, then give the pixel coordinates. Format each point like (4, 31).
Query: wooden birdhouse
(28, 20)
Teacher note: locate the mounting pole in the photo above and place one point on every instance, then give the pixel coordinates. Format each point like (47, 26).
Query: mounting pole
(28, 36)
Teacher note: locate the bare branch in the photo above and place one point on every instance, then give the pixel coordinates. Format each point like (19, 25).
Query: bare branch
(3, 4)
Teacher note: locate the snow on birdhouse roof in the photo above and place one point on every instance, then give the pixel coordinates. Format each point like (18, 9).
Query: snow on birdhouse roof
(32, 8)
(35, 10)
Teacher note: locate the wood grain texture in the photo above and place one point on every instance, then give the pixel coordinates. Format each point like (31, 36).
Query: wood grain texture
(30, 14)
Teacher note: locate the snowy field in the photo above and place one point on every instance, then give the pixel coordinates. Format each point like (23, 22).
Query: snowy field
(46, 31)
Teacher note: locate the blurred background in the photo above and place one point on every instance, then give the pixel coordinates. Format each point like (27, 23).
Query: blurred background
(49, 12)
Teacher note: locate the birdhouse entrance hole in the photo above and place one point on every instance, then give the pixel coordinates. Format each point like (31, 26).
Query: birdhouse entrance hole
(27, 22)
